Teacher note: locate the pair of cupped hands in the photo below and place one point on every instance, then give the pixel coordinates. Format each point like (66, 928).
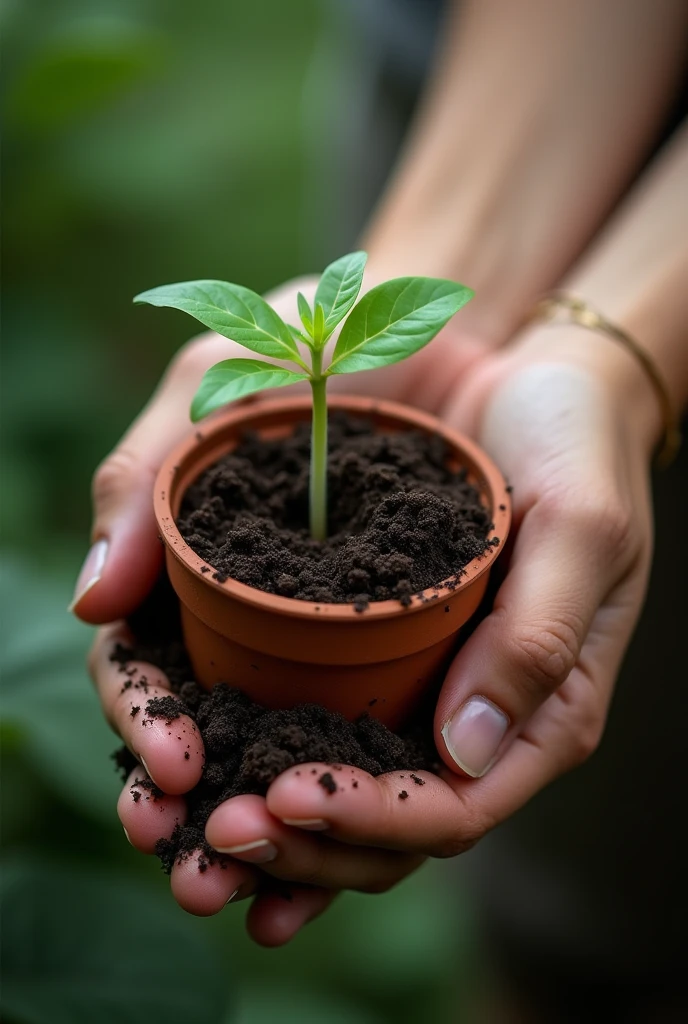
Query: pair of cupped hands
(525, 698)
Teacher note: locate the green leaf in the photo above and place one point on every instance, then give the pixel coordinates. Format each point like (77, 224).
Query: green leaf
(299, 336)
(68, 957)
(236, 378)
(319, 326)
(305, 312)
(338, 288)
(394, 320)
(233, 311)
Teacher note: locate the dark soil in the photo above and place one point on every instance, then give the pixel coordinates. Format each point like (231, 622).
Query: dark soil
(246, 745)
(400, 520)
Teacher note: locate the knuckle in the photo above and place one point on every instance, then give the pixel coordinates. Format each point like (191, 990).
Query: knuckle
(617, 532)
(605, 520)
(455, 845)
(610, 522)
(315, 869)
(545, 653)
(587, 737)
(472, 824)
(118, 473)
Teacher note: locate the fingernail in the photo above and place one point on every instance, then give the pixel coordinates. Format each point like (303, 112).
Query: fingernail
(91, 571)
(473, 735)
(240, 894)
(260, 852)
(149, 772)
(127, 835)
(312, 824)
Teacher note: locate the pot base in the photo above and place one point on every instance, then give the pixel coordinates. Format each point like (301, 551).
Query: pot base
(390, 691)
(282, 651)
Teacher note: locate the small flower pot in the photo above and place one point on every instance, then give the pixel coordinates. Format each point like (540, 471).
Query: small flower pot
(282, 651)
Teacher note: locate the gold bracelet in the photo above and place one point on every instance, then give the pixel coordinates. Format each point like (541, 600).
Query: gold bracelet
(577, 311)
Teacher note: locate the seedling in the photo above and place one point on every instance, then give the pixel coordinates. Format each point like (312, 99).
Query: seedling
(391, 321)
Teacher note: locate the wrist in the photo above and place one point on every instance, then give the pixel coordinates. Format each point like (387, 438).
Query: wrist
(462, 236)
(626, 384)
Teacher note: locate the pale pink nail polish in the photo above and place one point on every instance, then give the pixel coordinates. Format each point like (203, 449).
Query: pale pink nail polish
(262, 851)
(150, 774)
(91, 571)
(310, 824)
(473, 735)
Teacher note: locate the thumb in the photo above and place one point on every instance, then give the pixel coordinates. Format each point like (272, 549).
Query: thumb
(126, 555)
(563, 566)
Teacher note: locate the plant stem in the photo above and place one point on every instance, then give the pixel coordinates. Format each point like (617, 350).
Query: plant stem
(318, 480)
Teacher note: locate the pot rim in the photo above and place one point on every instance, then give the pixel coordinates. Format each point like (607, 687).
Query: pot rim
(493, 486)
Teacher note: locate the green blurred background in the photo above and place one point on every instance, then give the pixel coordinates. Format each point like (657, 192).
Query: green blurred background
(146, 141)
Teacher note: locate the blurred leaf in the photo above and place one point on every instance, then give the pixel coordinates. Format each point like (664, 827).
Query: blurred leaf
(289, 1006)
(419, 929)
(77, 73)
(81, 947)
(24, 797)
(402, 956)
(46, 695)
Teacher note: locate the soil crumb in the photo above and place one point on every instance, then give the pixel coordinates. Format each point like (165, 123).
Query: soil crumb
(328, 783)
(247, 746)
(401, 520)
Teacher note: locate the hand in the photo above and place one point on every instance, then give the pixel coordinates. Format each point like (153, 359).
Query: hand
(542, 664)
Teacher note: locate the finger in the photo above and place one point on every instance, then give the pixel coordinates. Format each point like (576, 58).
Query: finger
(171, 750)
(415, 812)
(147, 814)
(203, 889)
(564, 564)
(445, 816)
(243, 828)
(275, 917)
(125, 559)
(555, 433)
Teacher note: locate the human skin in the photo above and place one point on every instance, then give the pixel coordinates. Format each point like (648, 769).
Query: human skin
(572, 420)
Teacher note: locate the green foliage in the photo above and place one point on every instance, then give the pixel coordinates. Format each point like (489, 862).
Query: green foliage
(231, 310)
(80, 70)
(48, 703)
(135, 150)
(338, 288)
(80, 946)
(90, 930)
(305, 313)
(390, 323)
(394, 320)
(235, 378)
(318, 326)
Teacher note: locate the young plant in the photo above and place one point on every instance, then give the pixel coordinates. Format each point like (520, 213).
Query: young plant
(391, 321)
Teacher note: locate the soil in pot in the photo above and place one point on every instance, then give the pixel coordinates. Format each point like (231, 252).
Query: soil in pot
(248, 746)
(400, 519)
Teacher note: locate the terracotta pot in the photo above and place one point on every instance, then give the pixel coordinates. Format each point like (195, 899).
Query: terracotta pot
(282, 651)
